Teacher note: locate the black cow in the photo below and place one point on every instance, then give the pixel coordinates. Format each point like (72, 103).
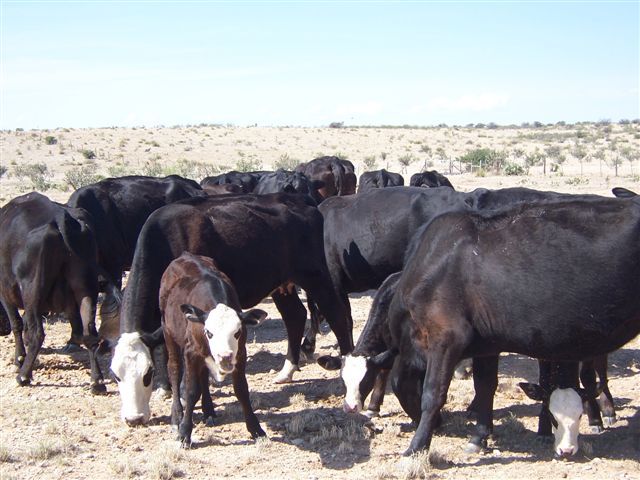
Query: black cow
(118, 208)
(556, 281)
(205, 334)
(429, 179)
(337, 176)
(379, 179)
(259, 241)
(48, 265)
(247, 181)
(366, 235)
(287, 182)
(213, 189)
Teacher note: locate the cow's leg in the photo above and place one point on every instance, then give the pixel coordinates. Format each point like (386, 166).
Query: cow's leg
(85, 314)
(377, 395)
(605, 400)
(161, 377)
(77, 334)
(16, 327)
(208, 413)
(335, 308)
(545, 381)
(192, 369)
(294, 316)
(309, 341)
(174, 370)
(591, 407)
(485, 382)
(440, 360)
(34, 334)
(241, 390)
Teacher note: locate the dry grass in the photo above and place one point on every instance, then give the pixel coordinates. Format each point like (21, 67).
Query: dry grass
(5, 455)
(46, 449)
(126, 468)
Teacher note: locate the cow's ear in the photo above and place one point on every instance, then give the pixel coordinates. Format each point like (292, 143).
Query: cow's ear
(383, 360)
(534, 391)
(584, 394)
(253, 316)
(329, 362)
(152, 340)
(623, 192)
(193, 314)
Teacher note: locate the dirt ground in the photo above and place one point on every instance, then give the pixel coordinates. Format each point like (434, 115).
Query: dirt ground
(56, 428)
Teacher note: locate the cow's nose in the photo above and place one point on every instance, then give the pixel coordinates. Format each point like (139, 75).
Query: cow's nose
(350, 409)
(134, 421)
(565, 452)
(226, 361)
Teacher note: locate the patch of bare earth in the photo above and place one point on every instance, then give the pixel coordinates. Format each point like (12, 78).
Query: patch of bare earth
(57, 428)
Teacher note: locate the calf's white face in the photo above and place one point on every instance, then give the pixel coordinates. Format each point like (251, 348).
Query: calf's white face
(223, 329)
(133, 368)
(566, 407)
(354, 369)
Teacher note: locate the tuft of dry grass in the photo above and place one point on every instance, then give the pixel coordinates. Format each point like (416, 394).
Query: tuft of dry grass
(125, 468)
(46, 449)
(512, 426)
(5, 455)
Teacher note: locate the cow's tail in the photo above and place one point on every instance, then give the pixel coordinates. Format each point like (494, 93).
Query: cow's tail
(338, 175)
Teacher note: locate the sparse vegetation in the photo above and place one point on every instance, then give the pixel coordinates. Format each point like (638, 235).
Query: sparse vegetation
(81, 176)
(286, 162)
(37, 173)
(88, 154)
(50, 140)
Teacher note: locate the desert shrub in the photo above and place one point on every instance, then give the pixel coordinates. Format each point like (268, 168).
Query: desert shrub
(484, 158)
(513, 169)
(406, 160)
(286, 162)
(336, 125)
(248, 164)
(192, 169)
(88, 154)
(37, 173)
(81, 176)
(370, 162)
(3, 170)
(152, 167)
(118, 171)
(50, 140)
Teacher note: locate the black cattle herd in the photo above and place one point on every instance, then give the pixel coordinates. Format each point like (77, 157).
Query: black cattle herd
(460, 275)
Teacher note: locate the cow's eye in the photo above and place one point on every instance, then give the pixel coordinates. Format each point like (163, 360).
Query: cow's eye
(209, 334)
(115, 376)
(237, 334)
(147, 377)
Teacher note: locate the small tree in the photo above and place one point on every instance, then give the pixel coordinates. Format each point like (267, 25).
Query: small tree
(631, 155)
(405, 161)
(370, 162)
(580, 152)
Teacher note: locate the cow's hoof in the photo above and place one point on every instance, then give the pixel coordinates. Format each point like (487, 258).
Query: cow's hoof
(98, 389)
(23, 381)
(472, 448)
(286, 374)
(257, 433)
(595, 429)
(71, 347)
(608, 421)
(371, 414)
(208, 421)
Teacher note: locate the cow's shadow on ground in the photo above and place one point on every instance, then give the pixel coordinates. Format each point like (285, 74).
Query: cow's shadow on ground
(340, 440)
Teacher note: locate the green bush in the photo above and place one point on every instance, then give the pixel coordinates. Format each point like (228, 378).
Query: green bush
(513, 169)
(88, 154)
(37, 173)
(370, 162)
(484, 158)
(81, 176)
(50, 140)
(286, 162)
(248, 164)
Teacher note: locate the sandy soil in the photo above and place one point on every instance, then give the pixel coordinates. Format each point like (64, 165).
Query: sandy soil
(56, 428)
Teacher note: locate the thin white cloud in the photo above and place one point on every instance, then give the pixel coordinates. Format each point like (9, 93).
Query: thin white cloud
(470, 102)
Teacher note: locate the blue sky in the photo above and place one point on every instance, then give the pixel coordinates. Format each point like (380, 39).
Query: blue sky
(96, 64)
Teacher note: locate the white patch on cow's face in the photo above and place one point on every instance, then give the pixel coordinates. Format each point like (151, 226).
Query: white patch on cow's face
(223, 329)
(354, 369)
(566, 407)
(133, 367)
